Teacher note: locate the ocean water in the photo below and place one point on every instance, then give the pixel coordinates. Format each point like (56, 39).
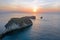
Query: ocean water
(47, 28)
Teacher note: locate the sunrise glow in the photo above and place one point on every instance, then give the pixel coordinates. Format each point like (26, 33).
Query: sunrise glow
(35, 9)
(30, 5)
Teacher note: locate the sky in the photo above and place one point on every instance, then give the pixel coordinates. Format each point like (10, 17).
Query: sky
(30, 4)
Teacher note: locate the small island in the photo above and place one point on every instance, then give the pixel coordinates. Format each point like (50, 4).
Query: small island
(18, 23)
(15, 24)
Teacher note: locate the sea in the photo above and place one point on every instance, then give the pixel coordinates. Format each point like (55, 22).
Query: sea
(47, 28)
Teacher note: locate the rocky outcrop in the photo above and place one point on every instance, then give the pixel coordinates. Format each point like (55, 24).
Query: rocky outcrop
(31, 17)
(16, 23)
(41, 17)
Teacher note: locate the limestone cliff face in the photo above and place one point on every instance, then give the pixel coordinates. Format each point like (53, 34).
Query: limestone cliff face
(18, 23)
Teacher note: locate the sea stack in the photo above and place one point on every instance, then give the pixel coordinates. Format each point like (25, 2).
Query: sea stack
(41, 17)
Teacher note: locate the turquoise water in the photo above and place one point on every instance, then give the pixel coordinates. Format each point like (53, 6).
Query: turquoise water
(47, 28)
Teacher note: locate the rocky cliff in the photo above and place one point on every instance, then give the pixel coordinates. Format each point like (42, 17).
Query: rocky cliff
(16, 23)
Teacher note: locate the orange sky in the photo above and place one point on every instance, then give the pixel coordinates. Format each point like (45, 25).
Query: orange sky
(30, 5)
(22, 9)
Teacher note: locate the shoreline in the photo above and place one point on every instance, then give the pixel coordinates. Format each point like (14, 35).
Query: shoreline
(7, 33)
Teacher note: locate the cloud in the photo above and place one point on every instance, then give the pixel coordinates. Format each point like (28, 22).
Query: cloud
(31, 3)
(49, 3)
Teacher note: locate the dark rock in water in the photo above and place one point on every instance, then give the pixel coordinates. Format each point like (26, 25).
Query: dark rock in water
(41, 17)
(18, 23)
(31, 17)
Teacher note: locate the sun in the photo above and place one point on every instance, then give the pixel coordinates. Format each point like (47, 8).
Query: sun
(35, 9)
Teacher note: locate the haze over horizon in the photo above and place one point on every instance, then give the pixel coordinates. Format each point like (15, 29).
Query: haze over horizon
(29, 5)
